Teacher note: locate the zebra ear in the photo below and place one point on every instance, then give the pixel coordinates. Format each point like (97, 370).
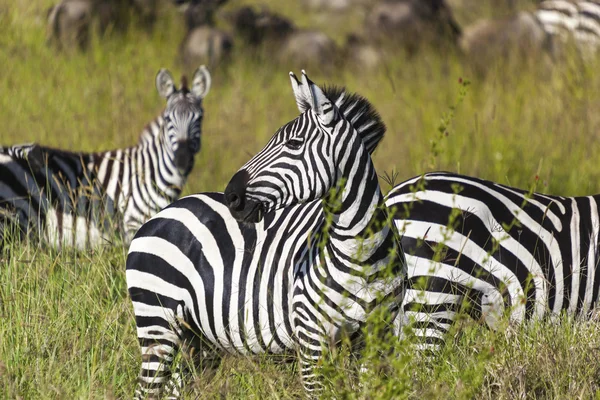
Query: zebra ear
(302, 101)
(319, 103)
(201, 82)
(164, 83)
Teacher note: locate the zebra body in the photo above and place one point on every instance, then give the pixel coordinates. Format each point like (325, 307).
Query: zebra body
(214, 259)
(504, 251)
(579, 21)
(253, 288)
(82, 199)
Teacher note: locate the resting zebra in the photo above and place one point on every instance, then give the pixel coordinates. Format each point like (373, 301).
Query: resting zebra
(82, 199)
(508, 253)
(289, 276)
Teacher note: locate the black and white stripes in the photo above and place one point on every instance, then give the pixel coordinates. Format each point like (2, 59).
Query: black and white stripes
(82, 199)
(354, 261)
(577, 21)
(295, 279)
(506, 252)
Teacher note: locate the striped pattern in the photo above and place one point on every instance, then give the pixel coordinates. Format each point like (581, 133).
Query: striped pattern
(572, 20)
(198, 277)
(81, 200)
(507, 254)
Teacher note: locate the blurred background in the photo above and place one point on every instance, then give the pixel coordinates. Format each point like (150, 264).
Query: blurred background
(507, 90)
(493, 88)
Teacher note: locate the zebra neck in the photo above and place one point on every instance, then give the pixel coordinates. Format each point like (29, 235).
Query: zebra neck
(146, 168)
(357, 221)
(152, 130)
(160, 162)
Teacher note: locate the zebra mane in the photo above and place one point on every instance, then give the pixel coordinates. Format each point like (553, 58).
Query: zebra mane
(184, 85)
(358, 111)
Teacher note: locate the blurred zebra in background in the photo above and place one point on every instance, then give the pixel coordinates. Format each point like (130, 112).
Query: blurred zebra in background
(572, 20)
(282, 279)
(77, 199)
(554, 28)
(73, 23)
(498, 249)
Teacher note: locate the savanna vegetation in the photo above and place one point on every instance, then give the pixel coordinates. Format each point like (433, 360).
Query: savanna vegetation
(66, 326)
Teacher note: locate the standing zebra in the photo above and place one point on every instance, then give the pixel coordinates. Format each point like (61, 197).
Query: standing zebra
(572, 20)
(503, 250)
(81, 199)
(292, 280)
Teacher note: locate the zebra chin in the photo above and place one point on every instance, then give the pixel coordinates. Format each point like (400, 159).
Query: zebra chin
(184, 161)
(253, 212)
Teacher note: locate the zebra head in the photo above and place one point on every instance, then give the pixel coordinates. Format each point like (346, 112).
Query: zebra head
(183, 116)
(301, 162)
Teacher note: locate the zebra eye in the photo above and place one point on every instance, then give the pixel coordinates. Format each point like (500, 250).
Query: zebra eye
(294, 143)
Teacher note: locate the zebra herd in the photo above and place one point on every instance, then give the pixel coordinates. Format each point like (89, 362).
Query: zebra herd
(302, 247)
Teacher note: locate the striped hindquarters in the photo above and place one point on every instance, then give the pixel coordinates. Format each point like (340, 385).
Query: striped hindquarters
(495, 246)
(35, 189)
(77, 199)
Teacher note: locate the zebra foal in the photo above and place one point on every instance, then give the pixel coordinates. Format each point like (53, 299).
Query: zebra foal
(292, 270)
(77, 199)
(504, 250)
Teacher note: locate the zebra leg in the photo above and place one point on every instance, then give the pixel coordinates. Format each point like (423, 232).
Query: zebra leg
(159, 375)
(311, 340)
(160, 342)
(427, 315)
(309, 358)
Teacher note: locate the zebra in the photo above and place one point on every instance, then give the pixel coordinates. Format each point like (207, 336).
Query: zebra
(240, 272)
(503, 250)
(73, 199)
(578, 20)
(557, 28)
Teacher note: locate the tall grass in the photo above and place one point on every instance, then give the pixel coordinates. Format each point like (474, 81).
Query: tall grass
(66, 326)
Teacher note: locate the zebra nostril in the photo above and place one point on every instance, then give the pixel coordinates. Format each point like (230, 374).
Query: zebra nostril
(234, 201)
(235, 191)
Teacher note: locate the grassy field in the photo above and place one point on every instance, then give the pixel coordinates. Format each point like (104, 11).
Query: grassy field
(66, 326)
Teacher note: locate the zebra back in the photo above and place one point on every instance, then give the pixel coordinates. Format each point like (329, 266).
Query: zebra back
(507, 250)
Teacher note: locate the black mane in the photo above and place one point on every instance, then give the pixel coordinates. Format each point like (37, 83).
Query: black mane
(360, 112)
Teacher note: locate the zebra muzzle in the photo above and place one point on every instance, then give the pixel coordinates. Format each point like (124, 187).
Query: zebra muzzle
(184, 160)
(234, 202)
(242, 209)
(253, 212)
(236, 190)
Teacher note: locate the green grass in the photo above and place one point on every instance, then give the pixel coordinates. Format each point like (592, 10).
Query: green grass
(66, 326)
